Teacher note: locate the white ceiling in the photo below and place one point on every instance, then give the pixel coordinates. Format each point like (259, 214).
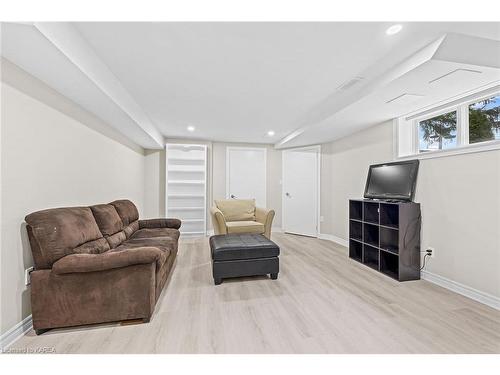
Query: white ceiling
(232, 81)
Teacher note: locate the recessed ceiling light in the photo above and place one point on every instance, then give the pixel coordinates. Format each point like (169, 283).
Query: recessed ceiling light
(394, 29)
(191, 128)
(270, 133)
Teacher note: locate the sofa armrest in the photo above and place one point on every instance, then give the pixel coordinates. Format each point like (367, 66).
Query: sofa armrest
(160, 223)
(78, 263)
(218, 221)
(265, 216)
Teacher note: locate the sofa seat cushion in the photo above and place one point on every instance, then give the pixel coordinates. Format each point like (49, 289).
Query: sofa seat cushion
(225, 247)
(131, 228)
(244, 227)
(116, 239)
(237, 209)
(167, 247)
(98, 246)
(156, 232)
(166, 244)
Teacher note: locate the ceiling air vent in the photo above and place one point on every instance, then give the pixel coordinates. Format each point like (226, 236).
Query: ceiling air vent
(453, 74)
(404, 99)
(348, 84)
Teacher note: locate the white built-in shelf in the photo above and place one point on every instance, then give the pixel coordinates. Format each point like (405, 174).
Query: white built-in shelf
(186, 182)
(187, 160)
(186, 166)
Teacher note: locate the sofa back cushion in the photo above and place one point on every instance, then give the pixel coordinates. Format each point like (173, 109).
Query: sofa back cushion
(56, 232)
(108, 220)
(110, 224)
(237, 209)
(127, 211)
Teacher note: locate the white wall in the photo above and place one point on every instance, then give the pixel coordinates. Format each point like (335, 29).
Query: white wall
(50, 159)
(459, 197)
(154, 183)
(343, 175)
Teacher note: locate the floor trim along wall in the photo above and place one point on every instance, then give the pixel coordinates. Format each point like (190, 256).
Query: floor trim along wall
(464, 290)
(467, 291)
(331, 237)
(16, 332)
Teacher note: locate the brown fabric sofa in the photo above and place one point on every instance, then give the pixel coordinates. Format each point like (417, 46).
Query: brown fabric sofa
(98, 264)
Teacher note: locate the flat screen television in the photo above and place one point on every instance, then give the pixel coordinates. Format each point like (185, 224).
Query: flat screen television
(392, 181)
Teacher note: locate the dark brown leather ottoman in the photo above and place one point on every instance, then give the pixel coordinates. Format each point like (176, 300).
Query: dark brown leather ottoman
(238, 255)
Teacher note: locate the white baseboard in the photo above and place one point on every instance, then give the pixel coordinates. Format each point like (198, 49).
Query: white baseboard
(15, 333)
(454, 286)
(331, 237)
(462, 289)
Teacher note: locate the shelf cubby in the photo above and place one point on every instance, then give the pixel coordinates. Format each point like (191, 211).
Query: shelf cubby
(370, 212)
(355, 250)
(389, 215)
(385, 235)
(389, 239)
(371, 256)
(370, 234)
(389, 264)
(355, 230)
(356, 210)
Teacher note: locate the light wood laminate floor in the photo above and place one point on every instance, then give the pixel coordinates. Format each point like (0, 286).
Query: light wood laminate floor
(322, 302)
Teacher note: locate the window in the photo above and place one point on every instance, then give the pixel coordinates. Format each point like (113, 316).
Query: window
(484, 120)
(438, 132)
(469, 124)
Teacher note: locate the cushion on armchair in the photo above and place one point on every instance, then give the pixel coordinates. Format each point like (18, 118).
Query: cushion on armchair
(237, 209)
(245, 227)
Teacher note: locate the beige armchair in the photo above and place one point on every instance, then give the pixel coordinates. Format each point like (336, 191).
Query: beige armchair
(241, 216)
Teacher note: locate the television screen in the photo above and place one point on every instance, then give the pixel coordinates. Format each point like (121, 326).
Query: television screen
(392, 180)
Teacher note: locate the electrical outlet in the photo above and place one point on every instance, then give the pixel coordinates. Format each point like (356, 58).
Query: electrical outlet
(27, 276)
(432, 252)
(321, 219)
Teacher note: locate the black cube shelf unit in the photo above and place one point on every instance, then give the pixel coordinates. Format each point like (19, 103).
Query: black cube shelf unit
(386, 237)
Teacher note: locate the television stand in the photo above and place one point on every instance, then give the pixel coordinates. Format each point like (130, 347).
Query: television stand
(385, 236)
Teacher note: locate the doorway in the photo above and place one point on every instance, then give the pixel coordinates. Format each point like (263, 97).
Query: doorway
(246, 174)
(300, 189)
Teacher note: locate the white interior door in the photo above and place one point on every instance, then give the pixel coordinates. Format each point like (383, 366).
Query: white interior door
(246, 174)
(301, 191)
